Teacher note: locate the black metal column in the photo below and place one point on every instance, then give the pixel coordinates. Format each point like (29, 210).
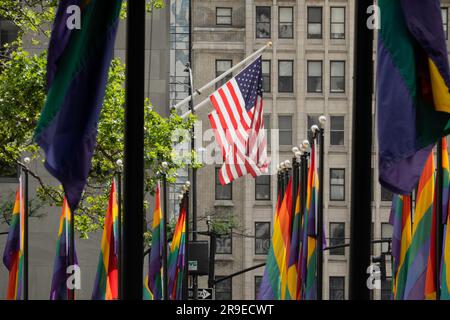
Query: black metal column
(438, 226)
(321, 145)
(164, 240)
(25, 234)
(133, 222)
(361, 184)
(119, 235)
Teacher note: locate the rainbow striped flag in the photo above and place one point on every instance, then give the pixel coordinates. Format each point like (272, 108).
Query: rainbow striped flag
(153, 281)
(176, 260)
(419, 249)
(59, 290)
(14, 249)
(445, 260)
(275, 272)
(293, 292)
(400, 219)
(106, 285)
(77, 73)
(413, 98)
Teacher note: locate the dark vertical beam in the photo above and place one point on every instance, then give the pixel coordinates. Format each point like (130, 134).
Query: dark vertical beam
(25, 234)
(164, 239)
(185, 203)
(361, 188)
(439, 231)
(119, 227)
(321, 145)
(133, 222)
(71, 291)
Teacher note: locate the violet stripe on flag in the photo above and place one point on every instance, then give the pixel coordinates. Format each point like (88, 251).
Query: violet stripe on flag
(238, 124)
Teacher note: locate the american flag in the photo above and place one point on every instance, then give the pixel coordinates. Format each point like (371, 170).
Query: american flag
(238, 123)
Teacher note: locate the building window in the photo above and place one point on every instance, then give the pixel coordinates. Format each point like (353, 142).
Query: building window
(224, 244)
(262, 187)
(262, 237)
(263, 16)
(386, 195)
(445, 21)
(337, 23)
(337, 237)
(312, 120)
(223, 192)
(386, 234)
(386, 288)
(337, 130)
(285, 130)
(286, 23)
(258, 280)
(8, 32)
(314, 76)
(267, 83)
(224, 289)
(224, 16)
(337, 288)
(314, 22)
(337, 184)
(267, 126)
(337, 76)
(8, 172)
(221, 67)
(285, 76)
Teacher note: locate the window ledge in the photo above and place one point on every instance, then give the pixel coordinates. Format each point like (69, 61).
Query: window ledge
(9, 180)
(314, 96)
(335, 203)
(337, 149)
(225, 257)
(219, 28)
(337, 96)
(223, 203)
(263, 203)
(337, 258)
(260, 257)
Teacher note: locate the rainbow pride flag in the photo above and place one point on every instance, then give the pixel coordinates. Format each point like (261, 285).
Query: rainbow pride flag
(106, 285)
(293, 292)
(59, 290)
(445, 260)
(153, 281)
(14, 249)
(413, 96)
(176, 260)
(275, 272)
(419, 249)
(77, 73)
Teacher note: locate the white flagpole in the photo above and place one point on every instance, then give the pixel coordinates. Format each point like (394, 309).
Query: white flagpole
(213, 82)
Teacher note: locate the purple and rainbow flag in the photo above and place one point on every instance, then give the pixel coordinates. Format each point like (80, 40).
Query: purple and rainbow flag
(77, 73)
(14, 249)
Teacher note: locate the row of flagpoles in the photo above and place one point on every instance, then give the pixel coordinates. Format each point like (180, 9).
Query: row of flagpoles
(167, 273)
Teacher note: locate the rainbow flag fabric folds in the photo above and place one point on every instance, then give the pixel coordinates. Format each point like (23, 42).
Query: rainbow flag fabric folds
(59, 289)
(153, 281)
(293, 288)
(14, 249)
(107, 279)
(77, 73)
(445, 260)
(413, 89)
(275, 272)
(176, 260)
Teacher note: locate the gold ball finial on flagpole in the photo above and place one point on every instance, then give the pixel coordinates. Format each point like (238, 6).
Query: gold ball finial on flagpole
(269, 44)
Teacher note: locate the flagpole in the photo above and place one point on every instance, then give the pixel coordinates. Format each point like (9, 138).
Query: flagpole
(186, 248)
(439, 233)
(119, 225)
(72, 251)
(133, 202)
(25, 229)
(213, 82)
(361, 188)
(164, 235)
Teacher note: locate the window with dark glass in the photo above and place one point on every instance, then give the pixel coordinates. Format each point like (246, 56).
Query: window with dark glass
(221, 67)
(444, 12)
(337, 130)
(262, 237)
(224, 244)
(8, 32)
(386, 234)
(285, 76)
(386, 195)
(223, 289)
(262, 187)
(337, 23)
(337, 184)
(286, 23)
(337, 288)
(223, 192)
(263, 16)
(314, 82)
(258, 280)
(224, 16)
(337, 237)
(337, 76)
(267, 126)
(266, 66)
(285, 130)
(386, 288)
(314, 22)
